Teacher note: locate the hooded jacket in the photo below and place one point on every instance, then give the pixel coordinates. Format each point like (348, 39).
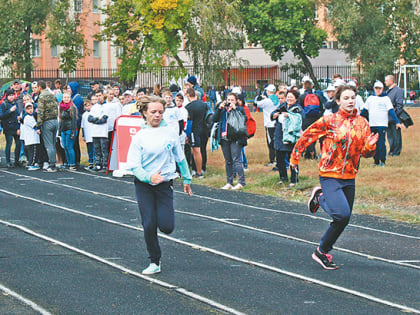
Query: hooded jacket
(345, 140)
(9, 119)
(77, 101)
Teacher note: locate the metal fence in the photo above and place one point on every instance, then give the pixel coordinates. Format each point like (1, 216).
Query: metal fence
(247, 77)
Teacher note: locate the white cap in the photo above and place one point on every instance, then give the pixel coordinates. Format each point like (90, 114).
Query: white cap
(378, 84)
(307, 79)
(352, 83)
(128, 92)
(271, 88)
(339, 82)
(330, 88)
(236, 90)
(29, 104)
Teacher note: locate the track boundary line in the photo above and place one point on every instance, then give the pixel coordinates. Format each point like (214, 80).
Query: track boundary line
(161, 283)
(24, 300)
(242, 260)
(259, 208)
(224, 221)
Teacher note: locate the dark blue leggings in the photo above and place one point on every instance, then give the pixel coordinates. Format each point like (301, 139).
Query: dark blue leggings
(380, 153)
(157, 211)
(337, 200)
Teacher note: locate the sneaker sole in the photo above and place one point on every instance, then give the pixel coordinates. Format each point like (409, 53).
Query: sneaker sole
(310, 199)
(319, 261)
(151, 273)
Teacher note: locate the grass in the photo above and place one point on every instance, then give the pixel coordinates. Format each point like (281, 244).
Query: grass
(391, 192)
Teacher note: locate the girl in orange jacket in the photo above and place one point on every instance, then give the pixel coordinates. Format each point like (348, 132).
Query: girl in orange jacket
(347, 136)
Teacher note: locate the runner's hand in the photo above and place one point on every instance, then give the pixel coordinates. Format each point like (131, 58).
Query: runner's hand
(373, 138)
(187, 189)
(156, 178)
(293, 166)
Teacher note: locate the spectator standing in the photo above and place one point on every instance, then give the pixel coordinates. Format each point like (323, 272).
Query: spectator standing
(198, 137)
(47, 120)
(312, 105)
(396, 96)
(193, 83)
(77, 100)
(67, 126)
(30, 132)
(288, 117)
(212, 97)
(380, 107)
(98, 117)
(114, 110)
(231, 147)
(268, 105)
(9, 113)
(87, 135)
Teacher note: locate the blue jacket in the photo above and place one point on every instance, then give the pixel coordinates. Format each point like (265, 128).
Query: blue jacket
(212, 94)
(9, 119)
(279, 144)
(77, 101)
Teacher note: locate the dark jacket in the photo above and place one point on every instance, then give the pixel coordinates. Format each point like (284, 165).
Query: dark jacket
(397, 99)
(221, 117)
(77, 101)
(279, 145)
(9, 119)
(68, 121)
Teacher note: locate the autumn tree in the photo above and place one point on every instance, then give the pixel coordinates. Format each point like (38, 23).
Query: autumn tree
(19, 20)
(213, 35)
(284, 25)
(146, 31)
(378, 34)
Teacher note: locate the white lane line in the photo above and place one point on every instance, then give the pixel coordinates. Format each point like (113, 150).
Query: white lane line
(218, 253)
(24, 300)
(124, 269)
(409, 261)
(264, 209)
(224, 221)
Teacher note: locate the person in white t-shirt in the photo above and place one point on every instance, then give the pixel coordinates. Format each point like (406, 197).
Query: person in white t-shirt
(114, 110)
(30, 132)
(87, 134)
(172, 114)
(99, 117)
(179, 101)
(268, 105)
(380, 109)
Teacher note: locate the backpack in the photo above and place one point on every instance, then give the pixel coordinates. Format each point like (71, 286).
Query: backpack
(251, 124)
(208, 119)
(311, 105)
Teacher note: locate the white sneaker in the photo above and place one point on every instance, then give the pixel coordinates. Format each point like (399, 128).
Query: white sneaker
(152, 269)
(237, 187)
(227, 186)
(45, 165)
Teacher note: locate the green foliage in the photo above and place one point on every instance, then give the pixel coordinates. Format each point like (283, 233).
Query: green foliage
(18, 21)
(213, 36)
(146, 31)
(284, 25)
(64, 31)
(377, 33)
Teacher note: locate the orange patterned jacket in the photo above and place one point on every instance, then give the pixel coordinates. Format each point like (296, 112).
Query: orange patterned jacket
(345, 139)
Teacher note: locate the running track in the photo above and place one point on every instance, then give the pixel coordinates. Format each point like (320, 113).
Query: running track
(71, 243)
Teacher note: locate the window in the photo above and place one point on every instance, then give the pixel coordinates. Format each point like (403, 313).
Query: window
(78, 4)
(95, 8)
(118, 51)
(54, 51)
(95, 49)
(36, 48)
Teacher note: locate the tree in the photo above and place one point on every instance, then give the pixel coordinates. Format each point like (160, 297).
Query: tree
(284, 25)
(378, 34)
(146, 31)
(214, 35)
(19, 20)
(64, 31)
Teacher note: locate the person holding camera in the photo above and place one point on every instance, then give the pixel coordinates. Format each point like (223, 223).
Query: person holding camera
(231, 145)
